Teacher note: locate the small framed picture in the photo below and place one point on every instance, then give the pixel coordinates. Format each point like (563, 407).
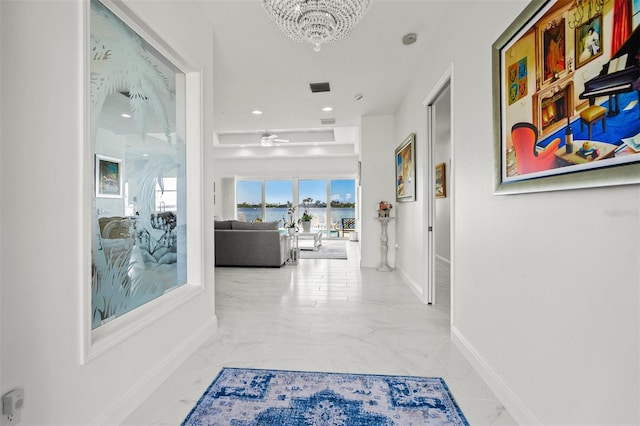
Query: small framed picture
(589, 41)
(109, 177)
(441, 181)
(406, 170)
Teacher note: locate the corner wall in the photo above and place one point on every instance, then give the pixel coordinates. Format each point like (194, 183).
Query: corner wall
(547, 313)
(42, 249)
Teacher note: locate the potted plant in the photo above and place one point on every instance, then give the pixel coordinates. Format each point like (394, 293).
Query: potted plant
(305, 220)
(290, 223)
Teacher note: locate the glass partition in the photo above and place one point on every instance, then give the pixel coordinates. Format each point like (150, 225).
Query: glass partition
(138, 144)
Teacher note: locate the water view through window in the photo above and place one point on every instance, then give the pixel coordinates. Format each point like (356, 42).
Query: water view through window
(327, 201)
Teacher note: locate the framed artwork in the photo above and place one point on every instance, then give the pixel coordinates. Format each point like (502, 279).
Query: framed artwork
(109, 177)
(553, 50)
(588, 41)
(406, 169)
(441, 181)
(568, 132)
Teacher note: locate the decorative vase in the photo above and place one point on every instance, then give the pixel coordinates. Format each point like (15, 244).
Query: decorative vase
(306, 226)
(292, 231)
(383, 213)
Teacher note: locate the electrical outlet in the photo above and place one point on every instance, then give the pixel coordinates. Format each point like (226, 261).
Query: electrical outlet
(12, 403)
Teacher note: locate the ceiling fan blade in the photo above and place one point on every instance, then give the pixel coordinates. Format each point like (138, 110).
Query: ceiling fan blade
(281, 140)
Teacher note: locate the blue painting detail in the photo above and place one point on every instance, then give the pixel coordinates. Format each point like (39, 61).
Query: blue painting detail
(250, 397)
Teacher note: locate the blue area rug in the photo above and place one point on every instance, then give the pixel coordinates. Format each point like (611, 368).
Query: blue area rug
(243, 397)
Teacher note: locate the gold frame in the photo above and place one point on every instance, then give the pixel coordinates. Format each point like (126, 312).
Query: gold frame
(441, 181)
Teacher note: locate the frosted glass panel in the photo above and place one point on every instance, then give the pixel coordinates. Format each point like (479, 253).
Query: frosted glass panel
(137, 135)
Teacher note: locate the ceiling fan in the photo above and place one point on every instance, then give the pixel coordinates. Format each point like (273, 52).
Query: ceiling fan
(268, 139)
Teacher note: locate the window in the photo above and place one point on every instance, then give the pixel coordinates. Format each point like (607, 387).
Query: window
(343, 205)
(167, 195)
(249, 200)
(278, 198)
(269, 200)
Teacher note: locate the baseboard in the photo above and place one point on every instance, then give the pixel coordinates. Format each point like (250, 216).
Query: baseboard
(414, 286)
(134, 396)
(516, 407)
(443, 259)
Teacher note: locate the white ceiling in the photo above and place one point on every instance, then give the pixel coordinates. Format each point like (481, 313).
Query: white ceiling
(257, 67)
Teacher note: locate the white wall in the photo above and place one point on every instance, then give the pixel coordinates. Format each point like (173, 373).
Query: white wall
(378, 175)
(41, 269)
(547, 312)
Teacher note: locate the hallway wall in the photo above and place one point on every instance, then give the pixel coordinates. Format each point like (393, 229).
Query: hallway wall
(549, 315)
(42, 269)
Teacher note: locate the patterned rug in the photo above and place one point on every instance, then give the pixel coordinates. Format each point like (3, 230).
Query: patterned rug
(325, 251)
(243, 397)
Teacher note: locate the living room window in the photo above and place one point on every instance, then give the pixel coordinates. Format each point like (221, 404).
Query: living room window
(331, 202)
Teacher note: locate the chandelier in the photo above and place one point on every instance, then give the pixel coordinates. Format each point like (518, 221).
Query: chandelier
(316, 21)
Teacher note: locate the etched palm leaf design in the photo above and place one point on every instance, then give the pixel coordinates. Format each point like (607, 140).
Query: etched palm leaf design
(120, 63)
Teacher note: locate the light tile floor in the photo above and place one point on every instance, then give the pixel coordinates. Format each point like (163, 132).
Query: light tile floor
(325, 315)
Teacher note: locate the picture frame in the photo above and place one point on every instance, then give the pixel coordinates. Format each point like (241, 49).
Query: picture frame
(109, 177)
(553, 41)
(441, 181)
(588, 45)
(405, 165)
(554, 109)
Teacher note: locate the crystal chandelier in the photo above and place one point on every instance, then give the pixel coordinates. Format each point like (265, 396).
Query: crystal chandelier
(316, 21)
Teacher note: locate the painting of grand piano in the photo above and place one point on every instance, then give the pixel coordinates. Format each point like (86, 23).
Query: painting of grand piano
(578, 125)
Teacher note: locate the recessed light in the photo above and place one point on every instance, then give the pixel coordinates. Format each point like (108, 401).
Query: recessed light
(256, 112)
(327, 109)
(145, 155)
(125, 115)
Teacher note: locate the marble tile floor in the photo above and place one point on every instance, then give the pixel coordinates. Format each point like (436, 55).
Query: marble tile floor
(325, 315)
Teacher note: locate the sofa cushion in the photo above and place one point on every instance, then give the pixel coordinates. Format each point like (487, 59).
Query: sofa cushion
(222, 224)
(269, 226)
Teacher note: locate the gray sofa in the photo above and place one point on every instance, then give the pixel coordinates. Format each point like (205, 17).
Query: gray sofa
(249, 244)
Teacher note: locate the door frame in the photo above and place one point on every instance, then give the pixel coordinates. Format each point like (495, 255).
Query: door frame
(446, 81)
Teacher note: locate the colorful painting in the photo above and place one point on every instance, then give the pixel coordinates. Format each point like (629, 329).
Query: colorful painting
(572, 129)
(553, 40)
(108, 177)
(517, 80)
(441, 181)
(589, 41)
(406, 170)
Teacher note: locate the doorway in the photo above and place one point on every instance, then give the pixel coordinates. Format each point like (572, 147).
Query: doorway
(439, 193)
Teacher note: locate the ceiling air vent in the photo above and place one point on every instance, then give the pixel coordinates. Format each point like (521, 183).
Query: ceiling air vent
(327, 121)
(319, 87)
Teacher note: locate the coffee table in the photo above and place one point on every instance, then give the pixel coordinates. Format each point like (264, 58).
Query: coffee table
(316, 236)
